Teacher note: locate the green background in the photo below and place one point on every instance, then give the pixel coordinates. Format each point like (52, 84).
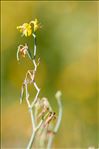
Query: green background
(67, 45)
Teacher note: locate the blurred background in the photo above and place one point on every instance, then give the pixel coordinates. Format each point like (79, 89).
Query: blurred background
(67, 46)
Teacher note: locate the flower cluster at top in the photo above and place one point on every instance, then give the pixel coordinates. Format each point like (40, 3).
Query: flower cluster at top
(28, 28)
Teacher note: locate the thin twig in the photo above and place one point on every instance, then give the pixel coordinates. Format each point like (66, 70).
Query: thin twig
(34, 45)
(35, 99)
(31, 140)
(50, 140)
(36, 128)
(27, 95)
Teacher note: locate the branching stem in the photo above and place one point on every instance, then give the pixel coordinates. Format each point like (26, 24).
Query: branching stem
(46, 115)
(50, 141)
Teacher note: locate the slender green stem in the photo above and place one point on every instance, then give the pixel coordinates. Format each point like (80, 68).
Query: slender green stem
(34, 35)
(50, 140)
(31, 140)
(59, 115)
(35, 128)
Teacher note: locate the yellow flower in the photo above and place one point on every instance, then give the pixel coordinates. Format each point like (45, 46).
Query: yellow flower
(25, 29)
(36, 25)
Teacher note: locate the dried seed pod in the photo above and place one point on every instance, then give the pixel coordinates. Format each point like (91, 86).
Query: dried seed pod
(50, 118)
(22, 49)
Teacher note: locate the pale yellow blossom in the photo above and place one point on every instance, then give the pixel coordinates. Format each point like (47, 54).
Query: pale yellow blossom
(25, 29)
(36, 25)
(28, 28)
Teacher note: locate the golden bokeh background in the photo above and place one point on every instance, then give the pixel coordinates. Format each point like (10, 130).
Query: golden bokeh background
(67, 45)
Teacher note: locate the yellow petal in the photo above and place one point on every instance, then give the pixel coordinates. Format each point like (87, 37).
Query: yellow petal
(29, 32)
(18, 27)
(25, 33)
(32, 22)
(36, 21)
(25, 25)
(21, 30)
